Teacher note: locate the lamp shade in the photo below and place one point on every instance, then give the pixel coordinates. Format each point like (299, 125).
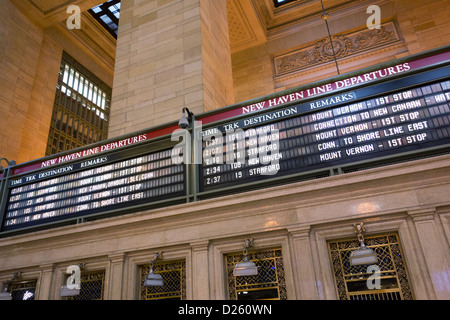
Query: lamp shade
(5, 295)
(245, 268)
(153, 280)
(66, 292)
(363, 256)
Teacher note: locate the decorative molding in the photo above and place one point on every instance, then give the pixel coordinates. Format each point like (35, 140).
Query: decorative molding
(95, 39)
(300, 231)
(200, 245)
(47, 13)
(345, 45)
(376, 56)
(420, 215)
(271, 16)
(287, 7)
(47, 7)
(240, 31)
(297, 16)
(245, 28)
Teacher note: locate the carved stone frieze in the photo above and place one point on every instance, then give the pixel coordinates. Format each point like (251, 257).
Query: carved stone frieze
(344, 45)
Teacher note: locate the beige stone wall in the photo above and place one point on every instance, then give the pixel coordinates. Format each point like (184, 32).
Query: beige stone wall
(173, 54)
(252, 73)
(411, 199)
(170, 55)
(30, 57)
(153, 73)
(40, 108)
(20, 43)
(216, 55)
(425, 24)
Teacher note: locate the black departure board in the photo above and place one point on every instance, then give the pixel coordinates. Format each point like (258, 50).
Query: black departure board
(315, 130)
(92, 186)
(290, 140)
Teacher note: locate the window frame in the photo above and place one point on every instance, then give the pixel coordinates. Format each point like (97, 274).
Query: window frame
(102, 10)
(81, 108)
(280, 4)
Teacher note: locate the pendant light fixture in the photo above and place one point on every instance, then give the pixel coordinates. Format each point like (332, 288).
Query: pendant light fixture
(154, 279)
(246, 267)
(363, 255)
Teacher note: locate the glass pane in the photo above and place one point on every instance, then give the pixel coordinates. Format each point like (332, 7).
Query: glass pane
(66, 73)
(75, 83)
(71, 76)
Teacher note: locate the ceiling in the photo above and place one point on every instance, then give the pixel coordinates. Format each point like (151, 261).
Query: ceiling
(47, 13)
(280, 33)
(251, 22)
(51, 15)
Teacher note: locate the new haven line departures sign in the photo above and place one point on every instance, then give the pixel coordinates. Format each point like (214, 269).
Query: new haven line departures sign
(383, 113)
(313, 135)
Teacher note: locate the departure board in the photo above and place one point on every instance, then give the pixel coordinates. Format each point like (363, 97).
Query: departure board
(311, 131)
(93, 186)
(290, 140)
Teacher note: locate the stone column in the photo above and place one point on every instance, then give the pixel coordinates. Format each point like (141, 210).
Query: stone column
(170, 54)
(116, 275)
(45, 285)
(435, 250)
(304, 268)
(200, 271)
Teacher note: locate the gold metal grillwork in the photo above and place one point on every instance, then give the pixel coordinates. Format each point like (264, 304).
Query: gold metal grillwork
(174, 277)
(351, 281)
(269, 283)
(92, 286)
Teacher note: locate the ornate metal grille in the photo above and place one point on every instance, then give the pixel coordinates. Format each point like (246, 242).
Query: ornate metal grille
(351, 281)
(24, 290)
(269, 283)
(81, 108)
(92, 286)
(174, 277)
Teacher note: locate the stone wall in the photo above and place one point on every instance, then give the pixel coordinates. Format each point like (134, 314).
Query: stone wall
(170, 55)
(411, 199)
